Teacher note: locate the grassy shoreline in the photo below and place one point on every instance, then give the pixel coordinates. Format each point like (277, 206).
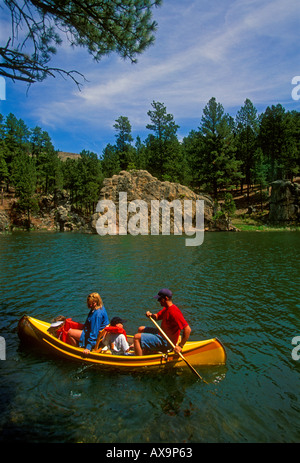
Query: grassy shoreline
(240, 226)
(252, 225)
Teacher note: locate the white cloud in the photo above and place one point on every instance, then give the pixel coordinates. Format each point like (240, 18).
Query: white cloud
(227, 60)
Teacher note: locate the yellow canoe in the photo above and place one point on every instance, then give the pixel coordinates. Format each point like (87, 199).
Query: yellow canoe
(208, 352)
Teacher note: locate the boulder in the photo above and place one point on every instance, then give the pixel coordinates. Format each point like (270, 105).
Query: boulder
(284, 202)
(141, 185)
(4, 221)
(66, 219)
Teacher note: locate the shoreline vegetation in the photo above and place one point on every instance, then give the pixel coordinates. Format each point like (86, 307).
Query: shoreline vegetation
(241, 228)
(232, 160)
(249, 216)
(246, 227)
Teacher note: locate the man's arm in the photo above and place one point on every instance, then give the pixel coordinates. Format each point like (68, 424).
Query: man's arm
(152, 315)
(185, 336)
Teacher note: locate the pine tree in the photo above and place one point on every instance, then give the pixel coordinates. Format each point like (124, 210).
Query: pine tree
(140, 156)
(272, 138)
(91, 178)
(24, 181)
(260, 174)
(228, 208)
(15, 141)
(163, 149)
(291, 146)
(3, 165)
(124, 138)
(3, 168)
(99, 26)
(47, 161)
(246, 142)
(110, 161)
(219, 167)
(193, 149)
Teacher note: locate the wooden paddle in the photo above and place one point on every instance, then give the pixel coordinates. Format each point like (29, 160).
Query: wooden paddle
(179, 353)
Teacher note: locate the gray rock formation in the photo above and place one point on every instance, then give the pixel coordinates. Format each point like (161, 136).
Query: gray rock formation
(4, 221)
(141, 185)
(66, 219)
(54, 214)
(284, 202)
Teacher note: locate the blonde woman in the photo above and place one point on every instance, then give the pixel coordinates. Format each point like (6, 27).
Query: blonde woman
(97, 319)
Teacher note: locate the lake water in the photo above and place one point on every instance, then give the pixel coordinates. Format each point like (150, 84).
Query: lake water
(241, 287)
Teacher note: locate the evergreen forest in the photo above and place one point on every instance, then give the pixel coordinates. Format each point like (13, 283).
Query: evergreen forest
(222, 153)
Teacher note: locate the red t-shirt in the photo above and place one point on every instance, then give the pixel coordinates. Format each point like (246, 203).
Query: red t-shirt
(172, 322)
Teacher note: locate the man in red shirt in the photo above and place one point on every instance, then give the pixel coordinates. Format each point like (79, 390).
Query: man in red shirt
(149, 340)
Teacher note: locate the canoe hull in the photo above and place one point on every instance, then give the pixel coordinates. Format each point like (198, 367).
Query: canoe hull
(208, 352)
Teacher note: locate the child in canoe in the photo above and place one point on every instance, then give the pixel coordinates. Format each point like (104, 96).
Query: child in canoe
(60, 327)
(115, 337)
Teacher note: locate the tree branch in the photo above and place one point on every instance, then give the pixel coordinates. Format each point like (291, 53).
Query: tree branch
(101, 27)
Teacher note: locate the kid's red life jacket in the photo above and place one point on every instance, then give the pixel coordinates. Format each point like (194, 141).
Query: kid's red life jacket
(116, 330)
(63, 331)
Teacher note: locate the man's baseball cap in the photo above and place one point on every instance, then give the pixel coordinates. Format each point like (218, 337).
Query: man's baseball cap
(164, 293)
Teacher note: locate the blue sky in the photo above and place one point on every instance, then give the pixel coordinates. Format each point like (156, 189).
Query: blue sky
(227, 49)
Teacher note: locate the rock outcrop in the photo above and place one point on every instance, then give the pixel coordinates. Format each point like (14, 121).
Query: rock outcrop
(4, 221)
(141, 185)
(284, 202)
(55, 213)
(66, 219)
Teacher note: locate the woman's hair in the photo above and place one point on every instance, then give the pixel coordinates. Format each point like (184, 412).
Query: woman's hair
(95, 297)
